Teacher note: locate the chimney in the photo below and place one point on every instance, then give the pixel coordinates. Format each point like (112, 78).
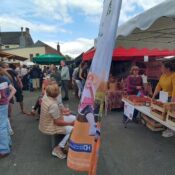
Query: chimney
(58, 47)
(27, 30)
(22, 42)
(21, 31)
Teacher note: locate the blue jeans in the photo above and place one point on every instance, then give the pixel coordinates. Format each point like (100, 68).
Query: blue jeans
(5, 140)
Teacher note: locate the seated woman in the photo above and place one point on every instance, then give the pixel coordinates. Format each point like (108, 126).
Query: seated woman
(37, 106)
(52, 121)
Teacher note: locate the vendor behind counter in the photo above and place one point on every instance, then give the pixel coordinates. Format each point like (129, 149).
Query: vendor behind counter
(167, 81)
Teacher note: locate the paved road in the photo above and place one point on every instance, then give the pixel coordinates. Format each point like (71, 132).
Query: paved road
(131, 151)
(134, 150)
(31, 154)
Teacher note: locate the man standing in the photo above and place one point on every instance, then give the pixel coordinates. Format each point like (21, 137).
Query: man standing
(65, 77)
(55, 74)
(35, 74)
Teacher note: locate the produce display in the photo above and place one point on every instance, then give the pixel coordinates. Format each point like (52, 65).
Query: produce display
(136, 99)
(170, 106)
(158, 103)
(158, 111)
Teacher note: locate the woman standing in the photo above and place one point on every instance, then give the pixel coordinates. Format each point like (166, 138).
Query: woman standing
(167, 84)
(134, 86)
(7, 91)
(134, 81)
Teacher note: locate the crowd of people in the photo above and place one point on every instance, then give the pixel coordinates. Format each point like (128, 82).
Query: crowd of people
(54, 117)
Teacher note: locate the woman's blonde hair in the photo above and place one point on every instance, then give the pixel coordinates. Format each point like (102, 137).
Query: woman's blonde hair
(133, 68)
(52, 90)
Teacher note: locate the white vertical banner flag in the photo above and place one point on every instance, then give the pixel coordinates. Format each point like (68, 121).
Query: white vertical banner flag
(86, 131)
(99, 71)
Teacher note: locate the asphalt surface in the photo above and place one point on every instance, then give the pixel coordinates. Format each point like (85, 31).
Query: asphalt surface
(134, 150)
(31, 151)
(124, 151)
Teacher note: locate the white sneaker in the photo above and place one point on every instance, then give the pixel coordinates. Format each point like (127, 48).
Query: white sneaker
(167, 133)
(11, 132)
(58, 153)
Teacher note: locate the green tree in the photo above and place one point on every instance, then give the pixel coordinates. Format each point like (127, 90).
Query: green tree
(68, 58)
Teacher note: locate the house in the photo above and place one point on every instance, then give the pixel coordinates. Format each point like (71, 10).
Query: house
(11, 40)
(21, 43)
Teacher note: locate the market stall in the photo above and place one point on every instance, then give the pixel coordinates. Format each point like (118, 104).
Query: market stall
(145, 36)
(162, 113)
(9, 56)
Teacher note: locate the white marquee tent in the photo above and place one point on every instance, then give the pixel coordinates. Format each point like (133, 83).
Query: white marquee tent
(155, 28)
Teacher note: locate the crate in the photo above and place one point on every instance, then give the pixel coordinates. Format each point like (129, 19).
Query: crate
(151, 121)
(158, 114)
(170, 106)
(135, 100)
(170, 119)
(158, 107)
(153, 128)
(152, 124)
(159, 111)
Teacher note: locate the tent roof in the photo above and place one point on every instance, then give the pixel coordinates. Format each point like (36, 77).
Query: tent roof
(11, 56)
(132, 53)
(151, 34)
(154, 28)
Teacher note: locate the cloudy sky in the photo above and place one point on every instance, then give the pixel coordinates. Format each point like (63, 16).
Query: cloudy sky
(72, 23)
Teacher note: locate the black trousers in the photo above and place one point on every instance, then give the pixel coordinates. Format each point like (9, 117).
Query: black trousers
(65, 88)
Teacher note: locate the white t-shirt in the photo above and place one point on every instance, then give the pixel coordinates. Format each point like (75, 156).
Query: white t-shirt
(144, 79)
(23, 71)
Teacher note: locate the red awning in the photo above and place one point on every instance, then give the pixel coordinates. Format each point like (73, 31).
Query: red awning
(120, 54)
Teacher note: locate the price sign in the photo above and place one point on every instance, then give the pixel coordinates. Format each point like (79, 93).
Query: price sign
(163, 96)
(128, 110)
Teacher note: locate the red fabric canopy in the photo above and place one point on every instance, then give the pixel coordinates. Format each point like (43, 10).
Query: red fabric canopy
(121, 54)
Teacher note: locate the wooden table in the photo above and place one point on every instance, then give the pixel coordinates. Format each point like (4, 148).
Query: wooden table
(147, 111)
